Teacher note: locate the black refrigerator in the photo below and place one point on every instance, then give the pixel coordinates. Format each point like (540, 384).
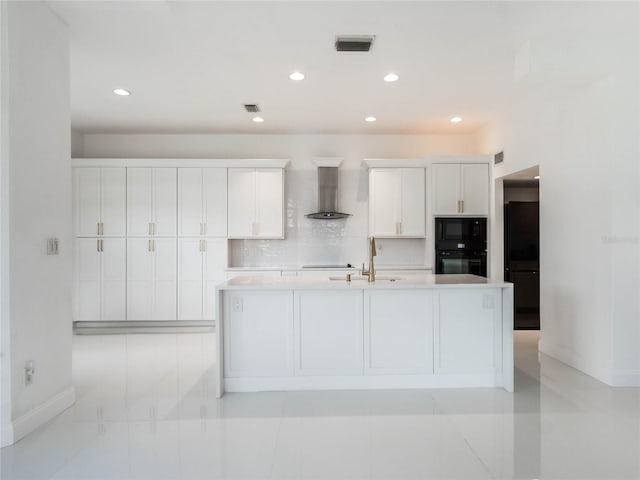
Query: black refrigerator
(522, 261)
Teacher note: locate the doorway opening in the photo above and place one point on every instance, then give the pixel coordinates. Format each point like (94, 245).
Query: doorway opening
(521, 246)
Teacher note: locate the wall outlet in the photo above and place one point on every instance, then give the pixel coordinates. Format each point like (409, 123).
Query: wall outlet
(236, 304)
(29, 372)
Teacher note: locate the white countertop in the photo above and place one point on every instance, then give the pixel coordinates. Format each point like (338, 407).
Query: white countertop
(382, 282)
(271, 268)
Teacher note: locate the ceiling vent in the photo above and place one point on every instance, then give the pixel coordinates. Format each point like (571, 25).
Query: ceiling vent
(360, 43)
(251, 107)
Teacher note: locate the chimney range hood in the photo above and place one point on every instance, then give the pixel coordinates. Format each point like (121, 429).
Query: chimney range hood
(328, 191)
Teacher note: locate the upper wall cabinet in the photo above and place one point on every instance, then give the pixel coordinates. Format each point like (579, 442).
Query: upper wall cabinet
(202, 202)
(255, 203)
(99, 201)
(397, 202)
(151, 201)
(461, 189)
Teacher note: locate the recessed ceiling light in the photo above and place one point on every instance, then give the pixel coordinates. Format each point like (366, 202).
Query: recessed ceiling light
(258, 119)
(391, 77)
(537, 177)
(455, 120)
(122, 92)
(370, 119)
(297, 76)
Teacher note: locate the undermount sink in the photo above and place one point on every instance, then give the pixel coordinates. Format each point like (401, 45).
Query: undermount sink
(359, 278)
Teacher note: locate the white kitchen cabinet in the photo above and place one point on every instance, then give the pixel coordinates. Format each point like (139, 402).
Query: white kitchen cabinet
(328, 329)
(100, 279)
(258, 335)
(151, 279)
(462, 345)
(202, 202)
(201, 264)
(151, 202)
(397, 202)
(99, 201)
(398, 332)
(255, 203)
(460, 189)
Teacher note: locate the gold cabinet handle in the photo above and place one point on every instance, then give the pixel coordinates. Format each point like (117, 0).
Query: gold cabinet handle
(150, 228)
(149, 246)
(203, 246)
(461, 206)
(204, 228)
(154, 228)
(98, 228)
(97, 245)
(153, 245)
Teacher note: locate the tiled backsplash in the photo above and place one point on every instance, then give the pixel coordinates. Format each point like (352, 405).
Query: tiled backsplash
(325, 242)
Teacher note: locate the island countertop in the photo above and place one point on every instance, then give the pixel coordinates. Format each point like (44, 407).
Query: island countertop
(360, 283)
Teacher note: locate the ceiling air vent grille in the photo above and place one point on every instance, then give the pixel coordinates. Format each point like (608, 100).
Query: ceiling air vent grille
(360, 43)
(498, 158)
(251, 107)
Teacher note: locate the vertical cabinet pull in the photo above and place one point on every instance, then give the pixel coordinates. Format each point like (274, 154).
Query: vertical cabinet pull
(398, 228)
(461, 206)
(101, 228)
(149, 246)
(204, 228)
(98, 228)
(154, 228)
(254, 229)
(150, 229)
(202, 246)
(97, 245)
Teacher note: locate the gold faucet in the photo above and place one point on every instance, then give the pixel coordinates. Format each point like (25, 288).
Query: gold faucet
(371, 273)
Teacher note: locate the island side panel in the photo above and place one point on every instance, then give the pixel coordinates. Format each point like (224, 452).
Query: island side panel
(220, 319)
(507, 338)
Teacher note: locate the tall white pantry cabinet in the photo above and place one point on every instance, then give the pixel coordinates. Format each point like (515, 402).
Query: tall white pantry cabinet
(150, 242)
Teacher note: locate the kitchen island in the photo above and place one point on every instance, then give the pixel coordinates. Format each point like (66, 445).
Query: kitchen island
(317, 333)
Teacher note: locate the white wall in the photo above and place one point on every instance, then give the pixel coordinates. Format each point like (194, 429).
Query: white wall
(308, 241)
(584, 137)
(38, 203)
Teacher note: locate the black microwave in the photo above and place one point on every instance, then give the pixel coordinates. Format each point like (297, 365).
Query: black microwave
(468, 230)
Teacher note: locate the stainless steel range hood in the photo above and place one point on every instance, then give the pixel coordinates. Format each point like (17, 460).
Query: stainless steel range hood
(328, 195)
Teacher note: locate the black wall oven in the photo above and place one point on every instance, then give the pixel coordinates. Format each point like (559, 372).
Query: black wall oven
(461, 245)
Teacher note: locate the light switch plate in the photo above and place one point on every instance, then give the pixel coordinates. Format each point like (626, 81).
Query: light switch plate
(52, 246)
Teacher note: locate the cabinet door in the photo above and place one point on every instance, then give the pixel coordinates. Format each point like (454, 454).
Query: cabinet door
(328, 329)
(140, 259)
(475, 189)
(467, 331)
(269, 203)
(384, 202)
(398, 332)
(113, 201)
(446, 189)
(190, 277)
(164, 201)
(164, 280)
(241, 202)
(214, 183)
(113, 279)
(86, 201)
(190, 202)
(139, 201)
(99, 277)
(412, 202)
(87, 282)
(215, 262)
(258, 334)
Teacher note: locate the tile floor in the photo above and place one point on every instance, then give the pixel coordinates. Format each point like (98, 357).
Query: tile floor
(146, 410)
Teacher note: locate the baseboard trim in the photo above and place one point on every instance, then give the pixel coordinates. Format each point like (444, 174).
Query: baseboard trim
(569, 358)
(27, 423)
(6, 435)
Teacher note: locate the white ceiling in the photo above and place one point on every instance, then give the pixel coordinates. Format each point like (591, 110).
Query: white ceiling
(192, 65)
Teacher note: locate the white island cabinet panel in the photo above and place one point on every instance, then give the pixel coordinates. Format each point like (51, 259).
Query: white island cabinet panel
(258, 336)
(398, 332)
(328, 332)
(468, 329)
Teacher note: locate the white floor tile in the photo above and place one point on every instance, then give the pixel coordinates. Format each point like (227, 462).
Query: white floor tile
(146, 409)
